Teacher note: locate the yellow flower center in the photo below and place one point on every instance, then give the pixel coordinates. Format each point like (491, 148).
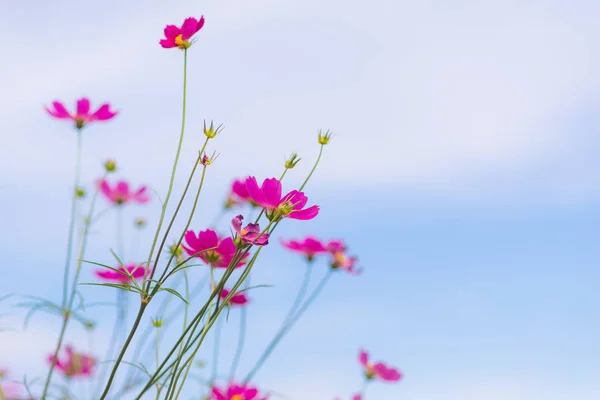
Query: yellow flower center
(182, 44)
(243, 231)
(237, 397)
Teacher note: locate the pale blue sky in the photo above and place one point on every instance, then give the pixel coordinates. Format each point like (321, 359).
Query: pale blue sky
(461, 173)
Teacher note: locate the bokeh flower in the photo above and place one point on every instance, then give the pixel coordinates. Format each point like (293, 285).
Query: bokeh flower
(309, 247)
(121, 193)
(108, 275)
(239, 194)
(238, 299)
(10, 390)
(269, 197)
(378, 370)
(250, 234)
(180, 37)
(74, 364)
(236, 392)
(355, 397)
(82, 115)
(207, 246)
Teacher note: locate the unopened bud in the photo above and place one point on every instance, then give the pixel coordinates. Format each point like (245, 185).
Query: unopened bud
(211, 131)
(324, 136)
(90, 325)
(110, 165)
(292, 161)
(80, 192)
(140, 222)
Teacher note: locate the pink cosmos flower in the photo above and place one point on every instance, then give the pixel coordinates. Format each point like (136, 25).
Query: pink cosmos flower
(335, 246)
(82, 116)
(235, 392)
(309, 247)
(221, 252)
(238, 299)
(74, 364)
(249, 234)
(238, 194)
(341, 261)
(180, 37)
(378, 370)
(269, 197)
(120, 193)
(355, 397)
(109, 275)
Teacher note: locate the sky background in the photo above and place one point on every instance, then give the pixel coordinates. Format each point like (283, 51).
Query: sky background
(461, 173)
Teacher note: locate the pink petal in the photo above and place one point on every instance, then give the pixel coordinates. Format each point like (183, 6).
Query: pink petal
(168, 43)
(217, 394)
(104, 113)
(226, 247)
(254, 191)
(188, 28)
(363, 358)
(59, 111)
(271, 189)
(141, 196)
(306, 214)
(298, 199)
(208, 239)
(237, 224)
(171, 32)
(83, 107)
(238, 187)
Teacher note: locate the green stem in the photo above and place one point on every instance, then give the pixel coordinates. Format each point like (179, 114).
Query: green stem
(313, 169)
(157, 361)
(120, 239)
(174, 170)
(81, 252)
(286, 328)
(242, 338)
(300, 294)
(72, 220)
(158, 228)
(215, 364)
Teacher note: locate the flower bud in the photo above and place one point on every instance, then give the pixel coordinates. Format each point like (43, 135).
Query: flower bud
(211, 131)
(80, 192)
(292, 161)
(140, 222)
(90, 325)
(110, 165)
(324, 136)
(157, 323)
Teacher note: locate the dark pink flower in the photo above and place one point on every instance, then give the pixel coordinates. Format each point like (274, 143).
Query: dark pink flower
(378, 370)
(120, 193)
(309, 246)
(249, 234)
(74, 364)
(137, 271)
(236, 392)
(269, 197)
(82, 116)
(207, 246)
(238, 299)
(180, 37)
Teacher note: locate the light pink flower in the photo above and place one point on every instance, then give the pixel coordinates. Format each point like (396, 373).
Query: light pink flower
(309, 246)
(339, 260)
(355, 397)
(121, 194)
(238, 299)
(180, 37)
(82, 116)
(74, 364)
(269, 197)
(236, 392)
(249, 234)
(378, 370)
(137, 271)
(221, 252)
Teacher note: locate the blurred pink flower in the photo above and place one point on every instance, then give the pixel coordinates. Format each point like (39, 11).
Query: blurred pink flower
(341, 261)
(239, 194)
(378, 370)
(137, 271)
(180, 37)
(355, 397)
(10, 390)
(269, 197)
(221, 252)
(74, 364)
(82, 116)
(120, 193)
(249, 234)
(309, 246)
(238, 299)
(335, 246)
(235, 392)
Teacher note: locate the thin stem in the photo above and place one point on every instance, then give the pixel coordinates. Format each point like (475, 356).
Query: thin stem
(158, 228)
(215, 364)
(363, 389)
(72, 218)
(120, 239)
(112, 344)
(300, 294)
(242, 338)
(313, 169)
(69, 306)
(123, 350)
(157, 359)
(287, 328)
(174, 170)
